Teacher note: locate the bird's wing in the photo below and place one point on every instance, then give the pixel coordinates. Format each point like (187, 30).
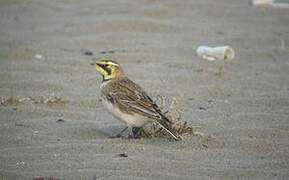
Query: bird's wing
(131, 97)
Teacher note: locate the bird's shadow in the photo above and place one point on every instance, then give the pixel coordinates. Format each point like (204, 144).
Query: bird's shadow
(86, 133)
(111, 131)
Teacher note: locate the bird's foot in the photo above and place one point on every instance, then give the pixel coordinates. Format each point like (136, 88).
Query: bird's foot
(136, 133)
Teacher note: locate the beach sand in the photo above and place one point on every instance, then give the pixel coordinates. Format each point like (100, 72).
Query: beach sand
(52, 124)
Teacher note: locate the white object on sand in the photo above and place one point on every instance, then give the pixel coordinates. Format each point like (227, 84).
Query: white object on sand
(214, 53)
(262, 2)
(270, 3)
(38, 56)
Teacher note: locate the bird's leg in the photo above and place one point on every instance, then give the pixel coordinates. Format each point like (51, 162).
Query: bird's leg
(136, 132)
(119, 134)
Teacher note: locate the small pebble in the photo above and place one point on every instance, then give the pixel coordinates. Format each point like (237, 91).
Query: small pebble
(205, 145)
(107, 52)
(102, 52)
(202, 108)
(123, 155)
(86, 52)
(60, 120)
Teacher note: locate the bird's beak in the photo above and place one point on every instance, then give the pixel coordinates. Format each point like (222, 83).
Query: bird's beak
(99, 65)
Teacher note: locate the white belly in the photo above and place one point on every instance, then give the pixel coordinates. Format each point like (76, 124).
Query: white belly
(130, 120)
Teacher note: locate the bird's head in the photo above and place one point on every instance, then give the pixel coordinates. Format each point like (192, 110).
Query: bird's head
(108, 69)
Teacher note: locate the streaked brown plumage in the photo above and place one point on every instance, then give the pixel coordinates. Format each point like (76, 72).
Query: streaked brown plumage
(128, 101)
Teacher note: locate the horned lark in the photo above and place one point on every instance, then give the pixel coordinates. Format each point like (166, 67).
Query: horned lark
(128, 102)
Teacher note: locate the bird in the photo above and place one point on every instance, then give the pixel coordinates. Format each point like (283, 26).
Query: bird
(128, 102)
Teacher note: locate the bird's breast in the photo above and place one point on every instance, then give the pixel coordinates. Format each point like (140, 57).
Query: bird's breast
(132, 120)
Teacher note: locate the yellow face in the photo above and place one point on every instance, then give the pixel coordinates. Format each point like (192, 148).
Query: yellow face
(108, 69)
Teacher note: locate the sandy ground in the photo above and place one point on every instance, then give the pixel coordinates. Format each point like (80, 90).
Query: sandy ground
(241, 106)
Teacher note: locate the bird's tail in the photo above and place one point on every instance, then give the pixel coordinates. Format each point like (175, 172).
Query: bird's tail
(165, 124)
